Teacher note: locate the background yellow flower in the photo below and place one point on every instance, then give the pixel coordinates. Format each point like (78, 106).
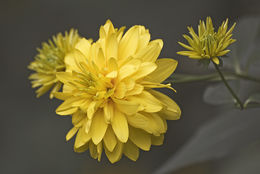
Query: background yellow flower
(208, 44)
(50, 60)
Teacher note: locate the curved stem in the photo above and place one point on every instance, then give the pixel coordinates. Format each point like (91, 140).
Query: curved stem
(228, 87)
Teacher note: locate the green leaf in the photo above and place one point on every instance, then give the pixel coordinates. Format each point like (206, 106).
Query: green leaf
(253, 101)
(218, 94)
(225, 135)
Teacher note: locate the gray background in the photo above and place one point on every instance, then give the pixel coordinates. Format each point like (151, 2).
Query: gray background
(33, 136)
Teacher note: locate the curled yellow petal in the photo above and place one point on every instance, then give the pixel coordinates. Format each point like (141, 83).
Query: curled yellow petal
(171, 110)
(165, 67)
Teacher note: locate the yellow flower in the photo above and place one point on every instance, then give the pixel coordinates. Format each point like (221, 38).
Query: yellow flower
(50, 60)
(208, 44)
(108, 91)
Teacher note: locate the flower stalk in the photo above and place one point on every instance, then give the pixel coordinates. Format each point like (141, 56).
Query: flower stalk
(236, 98)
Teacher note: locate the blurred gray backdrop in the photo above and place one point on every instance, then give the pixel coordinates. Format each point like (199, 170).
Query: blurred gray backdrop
(33, 136)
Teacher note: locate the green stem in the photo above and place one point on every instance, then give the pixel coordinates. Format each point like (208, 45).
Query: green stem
(187, 78)
(228, 87)
(246, 77)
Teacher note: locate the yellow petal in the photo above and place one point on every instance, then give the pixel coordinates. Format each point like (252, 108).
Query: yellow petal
(100, 60)
(67, 88)
(145, 69)
(42, 90)
(109, 27)
(64, 77)
(151, 52)
(148, 84)
(165, 67)
(191, 54)
(127, 107)
(112, 64)
(144, 38)
(87, 125)
(138, 121)
(222, 53)
(112, 74)
(62, 95)
(160, 122)
(131, 151)
(120, 33)
(102, 32)
(82, 138)
(91, 109)
(77, 118)
(67, 108)
(116, 154)
(120, 126)
(120, 90)
(129, 43)
(138, 89)
(157, 140)
(130, 84)
(129, 69)
(71, 133)
(73, 59)
(83, 46)
(99, 150)
(93, 150)
(147, 102)
(55, 89)
(98, 127)
(110, 139)
(215, 60)
(140, 138)
(186, 46)
(149, 122)
(112, 46)
(108, 111)
(85, 104)
(82, 148)
(171, 110)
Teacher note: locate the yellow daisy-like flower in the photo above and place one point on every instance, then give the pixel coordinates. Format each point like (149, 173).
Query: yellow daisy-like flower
(50, 60)
(108, 91)
(208, 44)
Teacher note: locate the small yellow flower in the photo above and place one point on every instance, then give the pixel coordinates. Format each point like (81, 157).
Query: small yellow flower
(208, 44)
(108, 91)
(50, 60)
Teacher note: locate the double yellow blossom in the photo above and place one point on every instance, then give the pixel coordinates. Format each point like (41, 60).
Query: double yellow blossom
(108, 90)
(50, 60)
(208, 44)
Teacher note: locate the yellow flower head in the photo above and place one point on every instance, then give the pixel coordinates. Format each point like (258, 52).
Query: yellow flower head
(50, 60)
(108, 91)
(208, 44)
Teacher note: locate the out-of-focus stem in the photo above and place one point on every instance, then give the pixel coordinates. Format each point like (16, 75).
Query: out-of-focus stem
(238, 101)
